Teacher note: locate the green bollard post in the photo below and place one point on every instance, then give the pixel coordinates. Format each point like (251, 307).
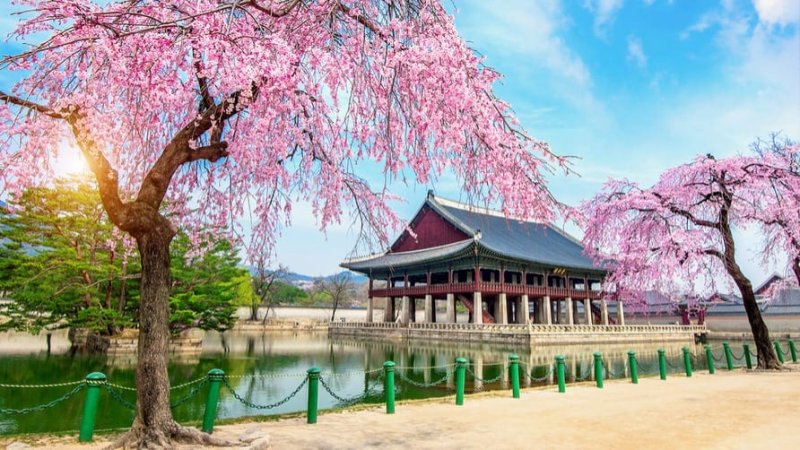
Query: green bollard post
(313, 394)
(633, 366)
(793, 351)
(598, 369)
(560, 372)
(388, 385)
(747, 360)
(709, 359)
(461, 376)
(778, 350)
(687, 362)
(94, 383)
(513, 366)
(662, 363)
(215, 377)
(728, 356)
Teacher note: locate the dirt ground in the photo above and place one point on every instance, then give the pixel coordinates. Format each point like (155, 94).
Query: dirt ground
(736, 410)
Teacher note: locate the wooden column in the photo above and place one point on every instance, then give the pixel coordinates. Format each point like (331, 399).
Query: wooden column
(451, 308)
(604, 311)
(620, 313)
(525, 310)
(501, 315)
(477, 308)
(429, 318)
(570, 317)
(587, 306)
(548, 313)
(388, 310)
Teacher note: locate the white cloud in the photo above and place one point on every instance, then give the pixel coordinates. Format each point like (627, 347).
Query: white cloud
(529, 34)
(636, 52)
(604, 13)
(778, 12)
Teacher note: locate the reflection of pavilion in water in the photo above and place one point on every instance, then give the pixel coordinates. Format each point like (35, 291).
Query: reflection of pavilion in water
(431, 360)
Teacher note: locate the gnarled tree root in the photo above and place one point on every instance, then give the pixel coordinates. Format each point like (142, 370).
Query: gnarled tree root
(164, 437)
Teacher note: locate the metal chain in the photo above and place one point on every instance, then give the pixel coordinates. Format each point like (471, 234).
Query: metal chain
(268, 406)
(422, 384)
(737, 358)
(48, 405)
(192, 392)
(588, 374)
(542, 378)
(121, 388)
(670, 364)
(342, 400)
(492, 380)
(189, 383)
(268, 375)
(443, 366)
(715, 358)
(32, 386)
(611, 373)
(117, 397)
(645, 369)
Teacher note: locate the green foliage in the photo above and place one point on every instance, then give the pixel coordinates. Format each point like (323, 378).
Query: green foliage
(60, 260)
(205, 287)
(63, 266)
(289, 294)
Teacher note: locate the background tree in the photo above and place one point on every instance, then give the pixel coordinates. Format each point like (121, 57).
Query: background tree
(225, 104)
(337, 287)
(205, 285)
(61, 262)
(265, 283)
(774, 203)
(677, 236)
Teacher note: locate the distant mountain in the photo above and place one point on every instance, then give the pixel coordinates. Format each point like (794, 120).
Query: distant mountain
(299, 278)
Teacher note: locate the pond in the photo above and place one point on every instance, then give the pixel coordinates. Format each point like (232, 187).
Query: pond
(265, 368)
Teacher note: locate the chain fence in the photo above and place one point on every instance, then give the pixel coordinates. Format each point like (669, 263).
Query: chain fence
(587, 375)
(41, 386)
(117, 396)
(528, 373)
(252, 405)
(422, 384)
(610, 372)
(12, 411)
(368, 392)
(485, 380)
(196, 387)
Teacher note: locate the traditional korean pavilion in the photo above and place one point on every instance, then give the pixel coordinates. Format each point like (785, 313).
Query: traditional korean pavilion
(511, 271)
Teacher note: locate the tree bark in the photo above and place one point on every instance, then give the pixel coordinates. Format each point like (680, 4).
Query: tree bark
(796, 268)
(152, 382)
(767, 359)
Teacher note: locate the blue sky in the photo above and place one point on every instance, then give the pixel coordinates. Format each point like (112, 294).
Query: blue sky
(631, 87)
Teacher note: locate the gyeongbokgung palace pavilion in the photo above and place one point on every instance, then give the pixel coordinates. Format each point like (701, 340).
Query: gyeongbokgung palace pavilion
(511, 271)
(519, 280)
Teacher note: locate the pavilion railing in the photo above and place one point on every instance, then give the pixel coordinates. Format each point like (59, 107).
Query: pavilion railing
(486, 288)
(521, 328)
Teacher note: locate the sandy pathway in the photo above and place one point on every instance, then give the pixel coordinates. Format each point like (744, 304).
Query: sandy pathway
(725, 410)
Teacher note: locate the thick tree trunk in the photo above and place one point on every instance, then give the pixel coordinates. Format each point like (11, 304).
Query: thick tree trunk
(796, 268)
(767, 359)
(152, 383)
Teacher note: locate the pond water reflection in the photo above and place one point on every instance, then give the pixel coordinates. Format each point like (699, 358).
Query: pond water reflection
(264, 368)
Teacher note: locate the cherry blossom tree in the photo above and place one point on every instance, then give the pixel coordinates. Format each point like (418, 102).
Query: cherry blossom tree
(677, 236)
(203, 113)
(773, 200)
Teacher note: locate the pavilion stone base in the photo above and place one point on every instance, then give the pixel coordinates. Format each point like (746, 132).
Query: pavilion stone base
(522, 334)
